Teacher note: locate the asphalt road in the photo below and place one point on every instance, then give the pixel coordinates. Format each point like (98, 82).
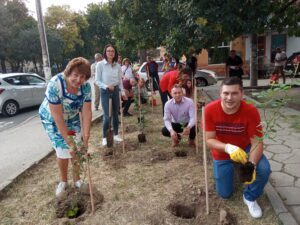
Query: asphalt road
(23, 142)
(24, 115)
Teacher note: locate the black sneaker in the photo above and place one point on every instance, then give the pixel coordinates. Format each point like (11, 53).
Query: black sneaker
(127, 114)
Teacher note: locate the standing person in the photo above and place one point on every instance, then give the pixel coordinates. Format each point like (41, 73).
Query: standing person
(152, 72)
(234, 65)
(67, 95)
(192, 63)
(169, 80)
(179, 117)
(166, 63)
(233, 129)
(280, 60)
(109, 79)
(98, 58)
(127, 69)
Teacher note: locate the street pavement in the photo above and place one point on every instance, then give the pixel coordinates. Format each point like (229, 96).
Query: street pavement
(283, 188)
(25, 145)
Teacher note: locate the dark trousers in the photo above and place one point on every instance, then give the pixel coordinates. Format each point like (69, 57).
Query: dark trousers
(105, 96)
(127, 104)
(178, 128)
(236, 73)
(164, 99)
(155, 81)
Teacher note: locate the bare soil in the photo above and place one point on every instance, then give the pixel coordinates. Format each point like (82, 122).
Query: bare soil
(146, 185)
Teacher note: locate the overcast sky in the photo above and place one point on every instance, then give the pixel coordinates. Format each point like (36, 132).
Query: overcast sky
(75, 5)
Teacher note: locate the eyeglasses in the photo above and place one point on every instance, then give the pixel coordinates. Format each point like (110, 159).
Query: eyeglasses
(110, 50)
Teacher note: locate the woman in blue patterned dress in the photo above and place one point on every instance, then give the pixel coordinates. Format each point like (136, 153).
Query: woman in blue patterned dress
(67, 95)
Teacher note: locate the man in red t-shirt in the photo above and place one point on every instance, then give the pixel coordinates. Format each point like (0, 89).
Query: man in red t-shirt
(168, 81)
(233, 129)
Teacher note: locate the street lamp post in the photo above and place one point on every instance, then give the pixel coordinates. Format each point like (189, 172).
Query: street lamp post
(43, 39)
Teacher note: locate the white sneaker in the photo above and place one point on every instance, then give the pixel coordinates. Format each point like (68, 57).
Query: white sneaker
(117, 138)
(254, 208)
(104, 142)
(60, 188)
(78, 184)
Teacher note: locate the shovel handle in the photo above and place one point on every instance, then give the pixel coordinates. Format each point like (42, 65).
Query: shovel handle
(90, 185)
(109, 107)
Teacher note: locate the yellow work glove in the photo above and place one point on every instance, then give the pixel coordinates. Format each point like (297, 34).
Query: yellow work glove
(253, 178)
(236, 153)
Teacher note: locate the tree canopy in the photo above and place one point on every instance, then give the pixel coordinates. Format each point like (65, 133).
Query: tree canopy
(139, 25)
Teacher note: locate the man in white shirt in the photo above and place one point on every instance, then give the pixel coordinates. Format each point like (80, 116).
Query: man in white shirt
(98, 58)
(280, 60)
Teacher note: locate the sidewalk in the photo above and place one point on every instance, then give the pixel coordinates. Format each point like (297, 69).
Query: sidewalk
(25, 146)
(283, 188)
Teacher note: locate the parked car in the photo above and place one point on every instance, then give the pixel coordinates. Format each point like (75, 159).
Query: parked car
(142, 72)
(290, 64)
(20, 90)
(203, 77)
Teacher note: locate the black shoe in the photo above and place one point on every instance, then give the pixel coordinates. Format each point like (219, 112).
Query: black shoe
(127, 114)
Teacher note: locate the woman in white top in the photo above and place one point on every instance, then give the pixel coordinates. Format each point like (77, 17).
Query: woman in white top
(127, 69)
(109, 79)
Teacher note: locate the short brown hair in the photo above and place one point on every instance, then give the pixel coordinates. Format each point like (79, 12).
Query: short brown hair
(232, 81)
(175, 86)
(81, 64)
(185, 70)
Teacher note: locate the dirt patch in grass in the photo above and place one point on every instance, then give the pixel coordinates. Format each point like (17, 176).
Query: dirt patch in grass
(146, 185)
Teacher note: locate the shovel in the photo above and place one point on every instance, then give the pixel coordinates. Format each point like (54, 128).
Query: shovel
(109, 132)
(122, 125)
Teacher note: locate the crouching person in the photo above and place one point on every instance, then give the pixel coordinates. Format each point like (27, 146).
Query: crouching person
(67, 94)
(179, 117)
(233, 130)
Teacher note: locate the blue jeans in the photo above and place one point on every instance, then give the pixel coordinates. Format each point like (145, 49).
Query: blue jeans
(105, 95)
(224, 170)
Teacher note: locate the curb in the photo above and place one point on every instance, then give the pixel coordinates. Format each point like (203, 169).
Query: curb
(280, 209)
(12, 180)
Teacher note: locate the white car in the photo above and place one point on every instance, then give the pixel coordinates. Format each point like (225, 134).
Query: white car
(142, 72)
(20, 90)
(203, 77)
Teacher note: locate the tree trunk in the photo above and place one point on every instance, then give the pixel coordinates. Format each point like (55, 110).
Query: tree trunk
(142, 55)
(3, 67)
(253, 61)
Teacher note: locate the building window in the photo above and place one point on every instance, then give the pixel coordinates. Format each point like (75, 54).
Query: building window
(217, 55)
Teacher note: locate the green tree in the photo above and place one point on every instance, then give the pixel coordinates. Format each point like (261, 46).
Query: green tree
(139, 25)
(98, 33)
(56, 47)
(26, 47)
(206, 23)
(68, 25)
(13, 19)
